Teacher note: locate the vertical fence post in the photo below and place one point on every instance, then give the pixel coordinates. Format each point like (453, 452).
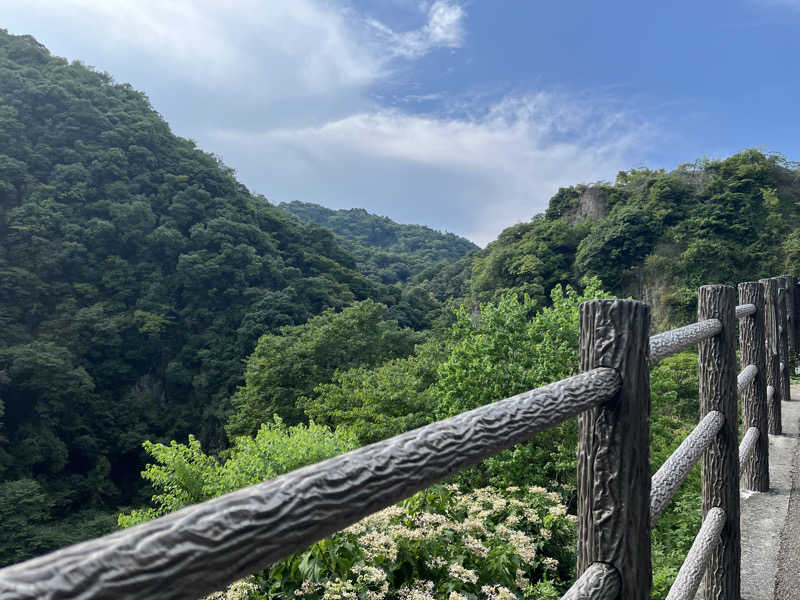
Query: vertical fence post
(783, 338)
(717, 361)
(614, 446)
(754, 396)
(787, 283)
(796, 304)
(772, 355)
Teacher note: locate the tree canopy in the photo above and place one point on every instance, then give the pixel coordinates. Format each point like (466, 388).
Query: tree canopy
(138, 275)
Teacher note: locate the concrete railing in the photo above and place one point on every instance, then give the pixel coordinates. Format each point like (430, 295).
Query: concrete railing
(204, 547)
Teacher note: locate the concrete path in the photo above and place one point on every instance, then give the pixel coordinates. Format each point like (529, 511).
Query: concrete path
(771, 521)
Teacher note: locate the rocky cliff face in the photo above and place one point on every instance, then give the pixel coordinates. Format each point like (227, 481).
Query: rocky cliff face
(592, 204)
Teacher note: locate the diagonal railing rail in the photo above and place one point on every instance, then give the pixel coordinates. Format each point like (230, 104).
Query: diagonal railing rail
(204, 547)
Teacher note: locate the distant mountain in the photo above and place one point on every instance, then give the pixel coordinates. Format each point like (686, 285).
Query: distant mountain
(385, 252)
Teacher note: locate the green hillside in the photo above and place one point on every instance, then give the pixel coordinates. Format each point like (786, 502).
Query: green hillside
(385, 251)
(137, 275)
(147, 296)
(656, 235)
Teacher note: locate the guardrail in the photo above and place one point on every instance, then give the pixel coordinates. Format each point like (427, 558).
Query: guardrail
(204, 547)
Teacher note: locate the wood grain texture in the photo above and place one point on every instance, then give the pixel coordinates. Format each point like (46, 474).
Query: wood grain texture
(671, 342)
(783, 340)
(772, 355)
(796, 304)
(676, 468)
(788, 283)
(697, 560)
(202, 548)
(718, 371)
(613, 447)
(755, 470)
(599, 582)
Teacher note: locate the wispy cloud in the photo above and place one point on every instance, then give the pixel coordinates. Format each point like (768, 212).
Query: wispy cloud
(444, 29)
(292, 59)
(288, 93)
(474, 176)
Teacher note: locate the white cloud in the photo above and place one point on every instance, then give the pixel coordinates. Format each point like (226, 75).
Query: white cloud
(282, 89)
(474, 176)
(275, 48)
(444, 29)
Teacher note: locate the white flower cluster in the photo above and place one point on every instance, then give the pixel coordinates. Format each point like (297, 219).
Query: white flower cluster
(448, 538)
(420, 590)
(523, 545)
(377, 545)
(456, 571)
(339, 590)
(238, 590)
(551, 564)
(307, 587)
(497, 592)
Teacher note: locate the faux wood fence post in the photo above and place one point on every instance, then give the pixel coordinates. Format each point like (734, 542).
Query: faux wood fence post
(796, 304)
(754, 395)
(614, 446)
(783, 338)
(718, 371)
(772, 355)
(788, 284)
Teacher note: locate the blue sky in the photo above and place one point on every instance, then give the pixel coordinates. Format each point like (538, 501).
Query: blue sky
(465, 115)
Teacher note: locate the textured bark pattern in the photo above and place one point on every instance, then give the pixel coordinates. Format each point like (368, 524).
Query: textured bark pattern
(746, 449)
(783, 342)
(613, 447)
(755, 470)
(788, 283)
(773, 359)
(717, 358)
(745, 310)
(672, 473)
(202, 548)
(599, 582)
(745, 376)
(673, 341)
(796, 304)
(698, 558)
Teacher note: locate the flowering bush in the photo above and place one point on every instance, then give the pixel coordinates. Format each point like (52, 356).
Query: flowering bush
(440, 544)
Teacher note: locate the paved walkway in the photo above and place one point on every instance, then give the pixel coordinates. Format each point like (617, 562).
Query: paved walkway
(771, 521)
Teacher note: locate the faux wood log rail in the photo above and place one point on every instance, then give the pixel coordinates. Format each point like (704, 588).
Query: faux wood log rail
(203, 548)
(748, 445)
(694, 567)
(676, 468)
(599, 582)
(746, 376)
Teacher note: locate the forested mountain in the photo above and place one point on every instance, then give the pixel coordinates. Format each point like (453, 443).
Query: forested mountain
(385, 251)
(656, 235)
(136, 275)
(146, 295)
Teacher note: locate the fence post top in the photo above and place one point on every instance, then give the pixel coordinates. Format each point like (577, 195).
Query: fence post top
(612, 300)
(752, 292)
(712, 286)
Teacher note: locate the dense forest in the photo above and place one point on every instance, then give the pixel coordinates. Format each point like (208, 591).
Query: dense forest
(156, 315)
(385, 251)
(656, 235)
(137, 275)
